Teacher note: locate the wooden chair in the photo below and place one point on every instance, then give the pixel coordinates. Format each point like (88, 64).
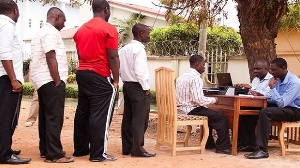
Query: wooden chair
(168, 119)
(293, 135)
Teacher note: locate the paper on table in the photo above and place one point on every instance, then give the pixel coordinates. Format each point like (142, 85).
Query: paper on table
(246, 95)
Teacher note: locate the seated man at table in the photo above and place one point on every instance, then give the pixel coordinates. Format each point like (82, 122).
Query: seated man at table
(258, 87)
(191, 101)
(285, 93)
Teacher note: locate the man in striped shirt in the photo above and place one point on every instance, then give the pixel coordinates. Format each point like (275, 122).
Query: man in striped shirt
(191, 101)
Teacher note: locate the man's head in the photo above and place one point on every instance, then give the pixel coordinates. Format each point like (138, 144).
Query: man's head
(261, 68)
(278, 68)
(198, 63)
(10, 9)
(101, 9)
(141, 33)
(56, 17)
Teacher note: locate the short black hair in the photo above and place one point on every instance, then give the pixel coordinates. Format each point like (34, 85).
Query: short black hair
(6, 6)
(138, 27)
(99, 5)
(53, 9)
(195, 58)
(280, 62)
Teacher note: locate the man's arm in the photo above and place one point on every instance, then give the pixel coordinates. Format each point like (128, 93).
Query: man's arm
(9, 68)
(114, 64)
(53, 66)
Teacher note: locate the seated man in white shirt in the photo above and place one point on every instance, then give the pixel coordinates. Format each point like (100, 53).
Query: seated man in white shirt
(258, 87)
(191, 100)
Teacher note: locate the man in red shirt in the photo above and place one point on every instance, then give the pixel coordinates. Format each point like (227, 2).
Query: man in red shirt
(97, 46)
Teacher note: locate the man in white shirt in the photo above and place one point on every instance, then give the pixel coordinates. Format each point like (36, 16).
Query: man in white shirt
(136, 89)
(191, 101)
(258, 87)
(49, 73)
(11, 79)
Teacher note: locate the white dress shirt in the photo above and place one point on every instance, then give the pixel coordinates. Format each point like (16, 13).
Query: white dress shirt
(133, 64)
(189, 92)
(48, 38)
(10, 48)
(261, 86)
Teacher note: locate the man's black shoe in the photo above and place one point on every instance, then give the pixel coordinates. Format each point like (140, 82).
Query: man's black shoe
(16, 152)
(225, 151)
(259, 154)
(14, 159)
(246, 148)
(145, 154)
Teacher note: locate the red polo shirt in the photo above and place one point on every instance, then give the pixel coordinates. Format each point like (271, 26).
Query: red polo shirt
(92, 41)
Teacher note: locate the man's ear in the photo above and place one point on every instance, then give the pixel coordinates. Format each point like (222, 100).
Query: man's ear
(57, 17)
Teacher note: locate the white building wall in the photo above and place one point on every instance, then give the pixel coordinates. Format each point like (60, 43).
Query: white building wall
(36, 12)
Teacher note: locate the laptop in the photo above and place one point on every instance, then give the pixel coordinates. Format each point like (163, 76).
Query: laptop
(225, 82)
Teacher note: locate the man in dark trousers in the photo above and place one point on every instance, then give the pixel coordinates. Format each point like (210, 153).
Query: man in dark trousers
(135, 75)
(49, 73)
(97, 46)
(11, 78)
(285, 94)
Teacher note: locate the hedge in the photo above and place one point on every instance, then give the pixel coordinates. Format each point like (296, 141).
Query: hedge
(71, 91)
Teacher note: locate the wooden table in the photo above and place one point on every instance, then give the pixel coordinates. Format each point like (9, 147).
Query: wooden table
(231, 107)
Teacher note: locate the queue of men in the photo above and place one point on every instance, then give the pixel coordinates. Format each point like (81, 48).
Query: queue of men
(100, 65)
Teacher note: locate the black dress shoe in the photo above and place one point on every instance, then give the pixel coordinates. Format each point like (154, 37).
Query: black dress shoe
(16, 152)
(145, 154)
(125, 153)
(14, 159)
(259, 154)
(224, 151)
(247, 148)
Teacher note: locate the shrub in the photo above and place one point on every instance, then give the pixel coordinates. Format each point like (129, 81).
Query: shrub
(71, 78)
(71, 91)
(182, 39)
(28, 88)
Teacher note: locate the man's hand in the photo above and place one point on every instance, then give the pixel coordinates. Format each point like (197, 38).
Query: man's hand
(272, 82)
(242, 85)
(17, 87)
(116, 83)
(57, 82)
(147, 92)
(254, 93)
(217, 100)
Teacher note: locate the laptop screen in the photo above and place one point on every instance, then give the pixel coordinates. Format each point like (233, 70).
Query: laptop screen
(224, 79)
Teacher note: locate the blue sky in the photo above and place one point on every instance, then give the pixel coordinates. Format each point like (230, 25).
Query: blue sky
(231, 21)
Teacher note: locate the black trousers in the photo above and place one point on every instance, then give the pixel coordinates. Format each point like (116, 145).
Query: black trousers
(96, 96)
(135, 118)
(217, 121)
(9, 113)
(51, 117)
(247, 125)
(269, 114)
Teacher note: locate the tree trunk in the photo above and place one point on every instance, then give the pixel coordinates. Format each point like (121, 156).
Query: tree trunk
(259, 21)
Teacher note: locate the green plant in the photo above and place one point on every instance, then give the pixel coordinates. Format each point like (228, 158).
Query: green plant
(153, 97)
(26, 67)
(28, 88)
(71, 91)
(178, 40)
(71, 78)
(72, 65)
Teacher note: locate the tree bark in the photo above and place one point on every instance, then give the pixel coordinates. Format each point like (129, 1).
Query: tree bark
(259, 21)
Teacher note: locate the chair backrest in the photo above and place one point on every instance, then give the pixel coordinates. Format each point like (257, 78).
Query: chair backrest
(166, 103)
